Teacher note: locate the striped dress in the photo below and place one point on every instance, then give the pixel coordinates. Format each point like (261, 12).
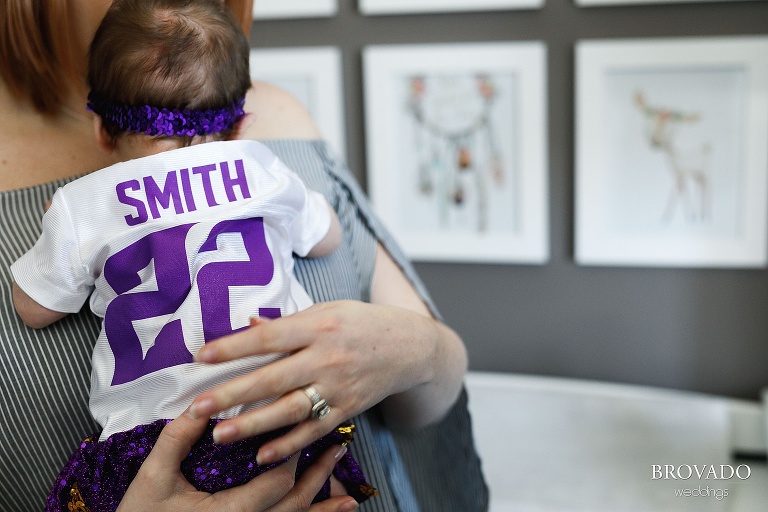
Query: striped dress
(45, 374)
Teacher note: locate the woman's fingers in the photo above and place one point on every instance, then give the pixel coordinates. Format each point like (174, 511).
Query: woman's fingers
(263, 337)
(264, 491)
(275, 379)
(303, 434)
(248, 342)
(300, 497)
(276, 491)
(159, 484)
(174, 443)
(288, 410)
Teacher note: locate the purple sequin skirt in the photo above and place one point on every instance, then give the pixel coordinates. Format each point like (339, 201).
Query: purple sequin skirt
(97, 475)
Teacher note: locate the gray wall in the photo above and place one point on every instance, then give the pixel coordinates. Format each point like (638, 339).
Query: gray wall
(690, 329)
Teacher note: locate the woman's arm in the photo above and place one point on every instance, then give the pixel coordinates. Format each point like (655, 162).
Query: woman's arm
(439, 354)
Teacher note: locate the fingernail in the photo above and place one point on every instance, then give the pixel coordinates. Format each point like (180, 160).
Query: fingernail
(200, 408)
(205, 355)
(340, 452)
(348, 506)
(266, 456)
(224, 433)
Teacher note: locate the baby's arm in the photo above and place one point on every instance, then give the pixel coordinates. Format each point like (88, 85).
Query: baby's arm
(330, 241)
(39, 283)
(32, 313)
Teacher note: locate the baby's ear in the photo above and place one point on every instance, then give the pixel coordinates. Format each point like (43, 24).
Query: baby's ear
(103, 139)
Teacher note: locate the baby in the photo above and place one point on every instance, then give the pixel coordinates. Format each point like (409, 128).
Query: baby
(185, 239)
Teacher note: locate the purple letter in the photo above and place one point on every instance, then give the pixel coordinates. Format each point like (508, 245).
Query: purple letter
(240, 181)
(141, 211)
(186, 186)
(170, 193)
(205, 172)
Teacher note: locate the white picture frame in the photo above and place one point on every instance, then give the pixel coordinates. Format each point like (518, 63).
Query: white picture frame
(452, 171)
(314, 76)
(284, 9)
(671, 152)
(377, 7)
(593, 3)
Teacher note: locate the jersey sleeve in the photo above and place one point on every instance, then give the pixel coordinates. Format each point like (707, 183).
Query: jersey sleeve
(52, 272)
(313, 217)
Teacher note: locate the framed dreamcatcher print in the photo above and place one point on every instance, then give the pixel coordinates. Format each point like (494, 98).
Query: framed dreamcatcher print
(456, 148)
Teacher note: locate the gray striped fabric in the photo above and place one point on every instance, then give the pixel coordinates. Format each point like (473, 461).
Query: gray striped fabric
(44, 375)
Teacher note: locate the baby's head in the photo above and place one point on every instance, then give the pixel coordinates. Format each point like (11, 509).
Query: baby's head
(169, 68)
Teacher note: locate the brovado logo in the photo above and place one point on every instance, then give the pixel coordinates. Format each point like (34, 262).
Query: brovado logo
(701, 472)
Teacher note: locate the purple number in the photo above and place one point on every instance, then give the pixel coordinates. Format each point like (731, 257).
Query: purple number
(214, 279)
(121, 271)
(166, 250)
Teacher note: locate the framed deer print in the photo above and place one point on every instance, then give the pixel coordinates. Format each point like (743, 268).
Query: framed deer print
(672, 152)
(456, 147)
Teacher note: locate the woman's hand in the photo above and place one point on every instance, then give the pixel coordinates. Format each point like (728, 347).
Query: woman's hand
(354, 354)
(160, 485)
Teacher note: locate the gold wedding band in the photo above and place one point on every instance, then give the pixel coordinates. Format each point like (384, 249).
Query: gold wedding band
(320, 408)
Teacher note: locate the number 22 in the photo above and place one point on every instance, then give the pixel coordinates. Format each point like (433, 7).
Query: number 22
(166, 249)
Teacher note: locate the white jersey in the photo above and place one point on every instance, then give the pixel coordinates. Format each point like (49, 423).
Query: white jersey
(174, 249)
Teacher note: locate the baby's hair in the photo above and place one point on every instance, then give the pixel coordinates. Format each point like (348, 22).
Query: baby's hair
(169, 54)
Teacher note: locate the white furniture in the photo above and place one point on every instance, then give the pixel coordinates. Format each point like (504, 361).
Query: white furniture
(565, 445)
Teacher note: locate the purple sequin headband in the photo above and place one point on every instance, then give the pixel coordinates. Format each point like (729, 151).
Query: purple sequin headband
(166, 121)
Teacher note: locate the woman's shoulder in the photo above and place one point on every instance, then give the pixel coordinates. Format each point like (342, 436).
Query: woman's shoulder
(37, 150)
(275, 114)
